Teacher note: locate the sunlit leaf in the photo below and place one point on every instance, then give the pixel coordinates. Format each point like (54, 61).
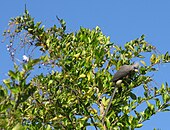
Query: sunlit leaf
(139, 125)
(18, 127)
(153, 59)
(77, 55)
(12, 74)
(82, 76)
(143, 62)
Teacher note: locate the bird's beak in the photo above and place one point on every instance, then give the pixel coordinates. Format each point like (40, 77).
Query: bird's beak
(136, 70)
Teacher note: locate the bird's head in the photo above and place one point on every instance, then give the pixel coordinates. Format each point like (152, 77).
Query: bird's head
(135, 67)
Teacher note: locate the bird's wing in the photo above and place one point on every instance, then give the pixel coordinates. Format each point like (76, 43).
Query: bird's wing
(124, 71)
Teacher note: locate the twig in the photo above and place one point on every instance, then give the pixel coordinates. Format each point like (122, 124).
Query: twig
(86, 111)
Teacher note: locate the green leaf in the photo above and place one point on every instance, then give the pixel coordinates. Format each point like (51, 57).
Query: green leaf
(166, 98)
(77, 55)
(158, 103)
(150, 106)
(165, 110)
(108, 122)
(143, 62)
(162, 89)
(139, 125)
(50, 82)
(2, 93)
(133, 96)
(146, 94)
(137, 114)
(30, 29)
(153, 59)
(48, 41)
(165, 106)
(48, 127)
(7, 82)
(82, 76)
(15, 90)
(12, 74)
(143, 70)
(142, 37)
(18, 127)
(130, 119)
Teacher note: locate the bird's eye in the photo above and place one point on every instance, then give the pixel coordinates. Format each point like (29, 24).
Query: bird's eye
(135, 68)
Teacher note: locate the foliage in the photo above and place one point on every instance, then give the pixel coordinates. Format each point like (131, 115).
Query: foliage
(75, 85)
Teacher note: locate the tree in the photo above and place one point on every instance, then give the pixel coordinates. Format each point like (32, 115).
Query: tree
(74, 86)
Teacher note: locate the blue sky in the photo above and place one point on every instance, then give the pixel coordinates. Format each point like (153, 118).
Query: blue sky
(122, 20)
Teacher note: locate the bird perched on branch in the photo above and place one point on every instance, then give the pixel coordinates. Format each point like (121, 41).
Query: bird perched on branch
(123, 72)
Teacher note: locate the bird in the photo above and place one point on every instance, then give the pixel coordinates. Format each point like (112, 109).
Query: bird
(123, 72)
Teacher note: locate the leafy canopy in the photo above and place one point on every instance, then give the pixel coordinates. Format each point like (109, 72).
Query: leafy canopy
(74, 86)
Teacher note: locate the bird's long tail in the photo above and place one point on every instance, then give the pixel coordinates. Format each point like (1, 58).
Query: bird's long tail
(109, 104)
